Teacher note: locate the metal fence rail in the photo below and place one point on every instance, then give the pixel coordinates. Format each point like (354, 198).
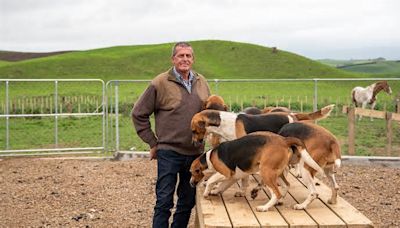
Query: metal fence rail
(16, 94)
(302, 94)
(98, 114)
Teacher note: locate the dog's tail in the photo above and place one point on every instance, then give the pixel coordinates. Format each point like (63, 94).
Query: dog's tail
(336, 152)
(320, 114)
(300, 149)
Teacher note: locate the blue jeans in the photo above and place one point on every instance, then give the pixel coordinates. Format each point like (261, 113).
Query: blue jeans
(169, 165)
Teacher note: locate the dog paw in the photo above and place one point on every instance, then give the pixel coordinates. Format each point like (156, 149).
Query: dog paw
(239, 194)
(214, 192)
(298, 207)
(206, 195)
(330, 201)
(254, 193)
(262, 209)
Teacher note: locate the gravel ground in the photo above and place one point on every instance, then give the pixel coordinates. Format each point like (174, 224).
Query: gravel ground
(103, 193)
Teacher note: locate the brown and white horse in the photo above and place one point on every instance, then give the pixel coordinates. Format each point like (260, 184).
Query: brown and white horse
(363, 96)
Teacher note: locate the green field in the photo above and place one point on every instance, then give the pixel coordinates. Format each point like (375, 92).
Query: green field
(379, 67)
(214, 59)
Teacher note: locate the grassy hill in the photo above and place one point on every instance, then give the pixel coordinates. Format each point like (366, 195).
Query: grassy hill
(214, 59)
(387, 68)
(382, 67)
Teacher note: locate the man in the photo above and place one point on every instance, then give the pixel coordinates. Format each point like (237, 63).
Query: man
(174, 97)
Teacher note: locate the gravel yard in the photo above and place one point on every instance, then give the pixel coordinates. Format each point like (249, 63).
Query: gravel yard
(103, 193)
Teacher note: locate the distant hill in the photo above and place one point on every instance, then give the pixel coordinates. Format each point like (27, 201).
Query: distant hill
(379, 66)
(13, 56)
(214, 59)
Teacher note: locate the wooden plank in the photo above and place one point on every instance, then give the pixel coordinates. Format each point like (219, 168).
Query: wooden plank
(295, 218)
(396, 116)
(271, 218)
(316, 209)
(349, 214)
(211, 212)
(239, 210)
(389, 133)
(352, 132)
(370, 113)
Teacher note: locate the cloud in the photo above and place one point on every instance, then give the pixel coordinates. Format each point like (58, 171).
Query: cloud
(313, 28)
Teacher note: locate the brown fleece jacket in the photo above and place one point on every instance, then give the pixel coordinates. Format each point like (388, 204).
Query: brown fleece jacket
(173, 107)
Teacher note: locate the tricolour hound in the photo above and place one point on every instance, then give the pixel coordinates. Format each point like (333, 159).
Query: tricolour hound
(324, 149)
(264, 152)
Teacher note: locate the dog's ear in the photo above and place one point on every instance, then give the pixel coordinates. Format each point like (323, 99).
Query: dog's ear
(204, 105)
(202, 124)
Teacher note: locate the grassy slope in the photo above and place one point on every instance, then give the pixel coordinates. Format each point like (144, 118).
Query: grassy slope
(215, 59)
(4, 63)
(385, 68)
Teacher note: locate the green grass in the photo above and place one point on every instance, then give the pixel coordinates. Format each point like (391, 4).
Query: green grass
(214, 59)
(379, 67)
(86, 132)
(385, 67)
(4, 63)
(38, 133)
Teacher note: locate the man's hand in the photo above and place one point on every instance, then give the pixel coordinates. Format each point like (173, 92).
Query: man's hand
(153, 153)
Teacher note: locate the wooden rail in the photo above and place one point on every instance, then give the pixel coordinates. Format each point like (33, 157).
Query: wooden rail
(388, 116)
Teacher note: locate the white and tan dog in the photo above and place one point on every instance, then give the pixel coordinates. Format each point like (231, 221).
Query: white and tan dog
(214, 102)
(263, 152)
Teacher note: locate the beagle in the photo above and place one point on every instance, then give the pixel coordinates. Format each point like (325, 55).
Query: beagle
(214, 102)
(257, 111)
(264, 152)
(275, 109)
(231, 126)
(324, 149)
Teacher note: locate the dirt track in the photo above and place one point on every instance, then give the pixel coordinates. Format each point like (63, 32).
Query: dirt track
(94, 193)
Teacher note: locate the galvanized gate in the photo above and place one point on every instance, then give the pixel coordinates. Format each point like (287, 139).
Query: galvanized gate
(51, 116)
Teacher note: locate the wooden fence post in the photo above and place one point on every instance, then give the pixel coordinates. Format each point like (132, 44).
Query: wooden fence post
(351, 116)
(389, 133)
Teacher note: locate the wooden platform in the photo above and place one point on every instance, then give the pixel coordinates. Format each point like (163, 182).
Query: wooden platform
(230, 211)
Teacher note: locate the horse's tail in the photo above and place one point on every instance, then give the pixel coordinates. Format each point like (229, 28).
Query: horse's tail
(320, 114)
(353, 97)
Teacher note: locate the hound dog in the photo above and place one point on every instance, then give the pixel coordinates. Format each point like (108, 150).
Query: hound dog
(324, 149)
(231, 126)
(257, 111)
(276, 109)
(214, 102)
(264, 152)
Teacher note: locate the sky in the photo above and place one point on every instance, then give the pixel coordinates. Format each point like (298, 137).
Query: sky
(317, 29)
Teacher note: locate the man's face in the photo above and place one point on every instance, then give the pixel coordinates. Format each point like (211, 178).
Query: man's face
(183, 59)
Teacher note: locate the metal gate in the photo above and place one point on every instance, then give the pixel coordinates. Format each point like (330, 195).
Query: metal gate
(51, 116)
